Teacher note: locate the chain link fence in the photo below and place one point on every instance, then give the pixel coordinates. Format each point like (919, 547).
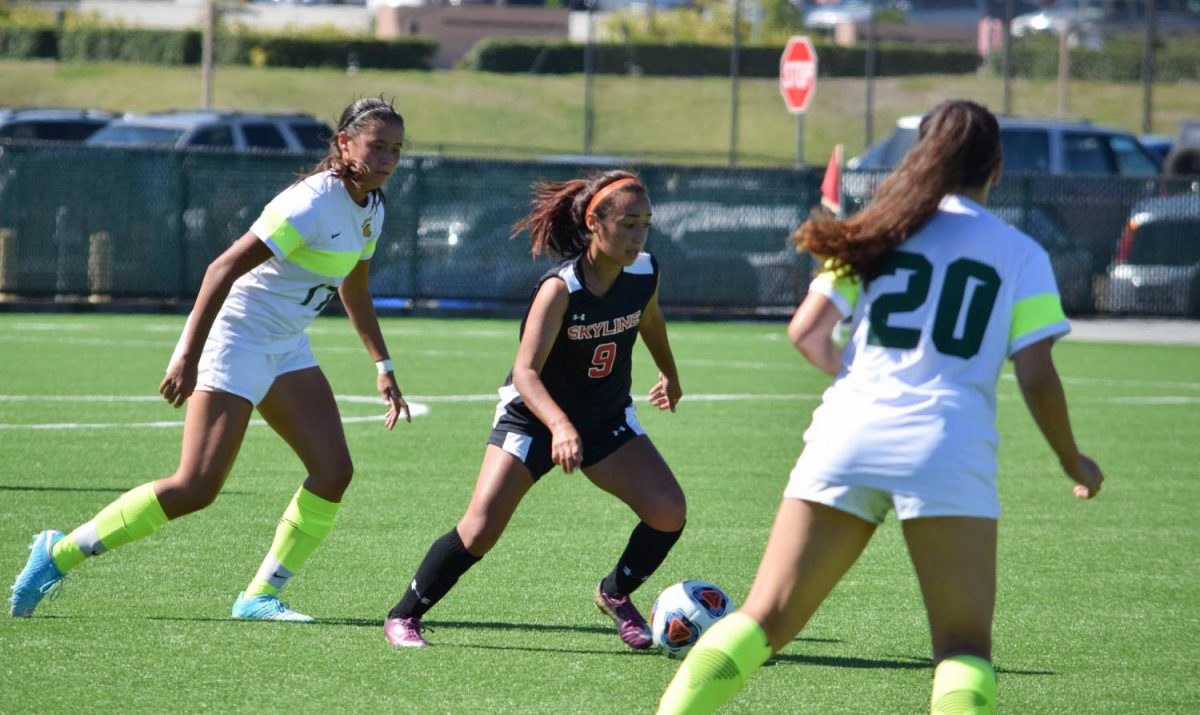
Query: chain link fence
(92, 223)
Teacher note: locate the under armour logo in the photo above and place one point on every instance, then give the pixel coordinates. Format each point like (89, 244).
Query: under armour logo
(618, 430)
(579, 316)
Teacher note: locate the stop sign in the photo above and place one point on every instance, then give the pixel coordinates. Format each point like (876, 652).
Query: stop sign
(798, 74)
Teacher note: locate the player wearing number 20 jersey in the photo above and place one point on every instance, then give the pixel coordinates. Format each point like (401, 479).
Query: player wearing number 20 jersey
(914, 406)
(942, 293)
(588, 372)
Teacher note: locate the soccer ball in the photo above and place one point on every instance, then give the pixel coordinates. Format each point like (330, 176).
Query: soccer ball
(682, 612)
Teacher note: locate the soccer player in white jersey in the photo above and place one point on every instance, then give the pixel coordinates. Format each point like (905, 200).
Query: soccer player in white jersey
(939, 292)
(245, 346)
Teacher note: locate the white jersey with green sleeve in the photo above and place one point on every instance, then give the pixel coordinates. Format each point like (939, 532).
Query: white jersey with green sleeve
(916, 393)
(317, 235)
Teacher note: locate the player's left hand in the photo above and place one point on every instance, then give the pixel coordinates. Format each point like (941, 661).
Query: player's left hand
(666, 393)
(390, 391)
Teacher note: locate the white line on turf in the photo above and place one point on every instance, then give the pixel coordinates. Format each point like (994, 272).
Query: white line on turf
(415, 409)
(419, 405)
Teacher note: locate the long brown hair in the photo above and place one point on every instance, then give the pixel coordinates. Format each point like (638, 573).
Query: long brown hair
(355, 117)
(958, 146)
(557, 222)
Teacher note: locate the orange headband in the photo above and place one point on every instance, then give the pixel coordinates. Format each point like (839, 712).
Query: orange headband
(604, 193)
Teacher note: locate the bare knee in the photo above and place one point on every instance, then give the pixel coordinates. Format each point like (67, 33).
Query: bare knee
(669, 515)
(330, 481)
(183, 494)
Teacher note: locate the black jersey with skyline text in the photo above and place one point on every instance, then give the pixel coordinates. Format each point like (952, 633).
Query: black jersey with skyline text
(589, 370)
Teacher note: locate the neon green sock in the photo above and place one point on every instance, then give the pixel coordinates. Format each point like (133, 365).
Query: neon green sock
(305, 524)
(134, 515)
(717, 667)
(963, 685)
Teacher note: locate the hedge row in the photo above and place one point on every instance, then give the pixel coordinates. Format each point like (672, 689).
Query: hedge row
(1119, 61)
(553, 57)
(1036, 57)
(28, 41)
(182, 47)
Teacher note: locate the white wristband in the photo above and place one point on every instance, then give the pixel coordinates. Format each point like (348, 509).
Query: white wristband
(384, 366)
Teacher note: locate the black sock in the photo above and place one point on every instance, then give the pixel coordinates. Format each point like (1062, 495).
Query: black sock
(645, 552)
(446, 560)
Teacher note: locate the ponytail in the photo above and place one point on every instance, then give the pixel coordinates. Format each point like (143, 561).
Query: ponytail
(557, 220)
(958, 146)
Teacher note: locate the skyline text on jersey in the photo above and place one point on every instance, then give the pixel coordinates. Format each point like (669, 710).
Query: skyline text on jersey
(604, 328)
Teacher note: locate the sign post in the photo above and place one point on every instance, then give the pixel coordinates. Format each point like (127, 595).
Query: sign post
(798, 84)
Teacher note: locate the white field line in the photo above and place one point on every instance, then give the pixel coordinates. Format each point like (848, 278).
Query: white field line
(415, 409)
(1109, 382)
(166, 347)
(419, 406)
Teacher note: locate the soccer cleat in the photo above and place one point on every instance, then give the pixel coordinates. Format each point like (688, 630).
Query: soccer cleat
(266, 607)
(630, 624)
(404, 632)
(40, 577)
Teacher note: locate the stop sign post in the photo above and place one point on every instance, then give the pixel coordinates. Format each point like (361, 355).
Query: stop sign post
(798, 83)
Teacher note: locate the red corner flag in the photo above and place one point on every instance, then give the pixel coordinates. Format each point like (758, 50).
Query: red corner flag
(831, 185)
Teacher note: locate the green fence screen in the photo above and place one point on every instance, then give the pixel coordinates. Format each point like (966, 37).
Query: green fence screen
(119, 223)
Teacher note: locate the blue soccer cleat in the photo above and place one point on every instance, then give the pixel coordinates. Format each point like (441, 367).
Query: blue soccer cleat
(40, 577)
(266, 607)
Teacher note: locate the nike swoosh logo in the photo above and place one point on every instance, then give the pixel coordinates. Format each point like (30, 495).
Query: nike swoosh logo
(339, 233)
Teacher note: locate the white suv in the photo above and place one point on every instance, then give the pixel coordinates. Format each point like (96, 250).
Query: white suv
(235, 131)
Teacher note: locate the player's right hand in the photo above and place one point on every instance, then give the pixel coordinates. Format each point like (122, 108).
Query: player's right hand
(566, 449)
(178, 383)
(1087, 476)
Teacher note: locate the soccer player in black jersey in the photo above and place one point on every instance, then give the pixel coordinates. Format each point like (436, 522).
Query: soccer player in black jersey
(567, 399)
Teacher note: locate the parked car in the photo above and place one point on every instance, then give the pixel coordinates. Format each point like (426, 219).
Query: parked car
(1042, 146)
(51, 124)
(1088, 22)
(826, 17)
(237, 131)
(1183, 160)
(1109, 170)
(1157, 144)
(1157, 268)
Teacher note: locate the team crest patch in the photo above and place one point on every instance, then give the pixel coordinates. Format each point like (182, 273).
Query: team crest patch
(366, 228)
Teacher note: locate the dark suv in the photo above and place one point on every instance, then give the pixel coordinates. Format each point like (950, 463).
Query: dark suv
(51, 124)
(1157, 267)
(234, 131)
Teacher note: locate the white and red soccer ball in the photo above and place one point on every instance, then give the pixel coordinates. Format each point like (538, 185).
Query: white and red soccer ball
(683, 611)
